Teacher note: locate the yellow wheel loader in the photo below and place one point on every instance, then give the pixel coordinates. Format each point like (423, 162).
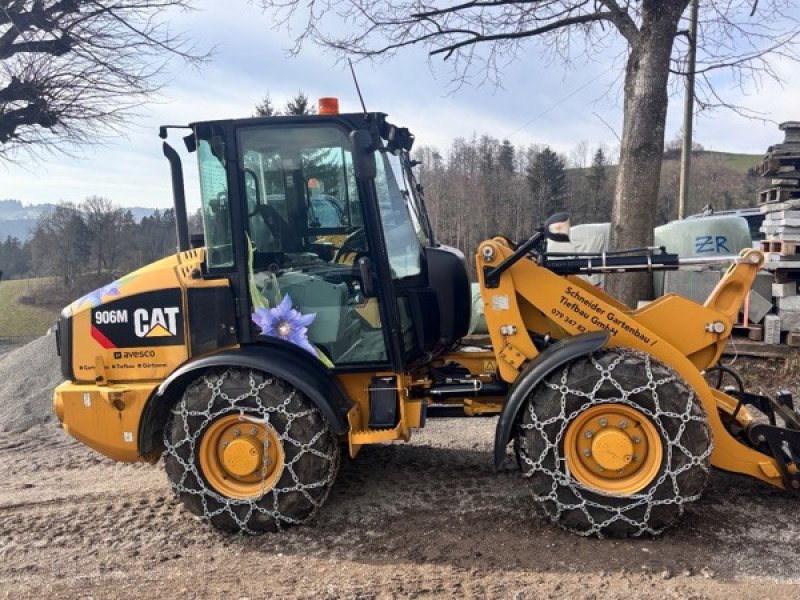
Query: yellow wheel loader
(319, 314)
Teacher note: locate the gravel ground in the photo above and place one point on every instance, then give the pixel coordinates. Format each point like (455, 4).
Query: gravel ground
(425, 519)
(28, 376)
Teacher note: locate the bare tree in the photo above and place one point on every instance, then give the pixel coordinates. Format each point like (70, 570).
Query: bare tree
(107, 226)
(61, 244)
(482, 36)
(578, 156)
(71, 70)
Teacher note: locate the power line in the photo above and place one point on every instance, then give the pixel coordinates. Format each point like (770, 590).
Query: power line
(560, 101)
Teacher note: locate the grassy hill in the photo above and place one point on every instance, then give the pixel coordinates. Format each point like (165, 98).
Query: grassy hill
(21, 320)
(738, 162)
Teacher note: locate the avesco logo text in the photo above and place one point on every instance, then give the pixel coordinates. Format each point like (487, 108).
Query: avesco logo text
(135, 354)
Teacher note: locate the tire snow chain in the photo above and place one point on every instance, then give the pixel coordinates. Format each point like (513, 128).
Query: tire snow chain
(227, 504)
(562, 477)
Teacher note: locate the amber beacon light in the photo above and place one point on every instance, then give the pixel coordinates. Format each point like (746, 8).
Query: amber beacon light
(329, 106)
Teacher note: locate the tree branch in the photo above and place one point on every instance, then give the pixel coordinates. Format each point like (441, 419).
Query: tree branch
(561, 24)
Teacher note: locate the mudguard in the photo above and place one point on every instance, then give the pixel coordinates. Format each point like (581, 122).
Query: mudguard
(273, 356)
(553, 357)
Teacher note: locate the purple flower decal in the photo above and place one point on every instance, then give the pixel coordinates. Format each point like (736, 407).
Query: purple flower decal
(95, 298)
(286, 323)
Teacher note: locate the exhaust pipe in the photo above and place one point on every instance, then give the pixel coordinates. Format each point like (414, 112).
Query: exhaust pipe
(178, 197)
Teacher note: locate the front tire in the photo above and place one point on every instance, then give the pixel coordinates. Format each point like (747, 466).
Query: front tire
(614, 444)
(248, 452)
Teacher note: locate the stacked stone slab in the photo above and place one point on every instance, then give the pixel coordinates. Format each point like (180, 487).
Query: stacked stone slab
(780, 203)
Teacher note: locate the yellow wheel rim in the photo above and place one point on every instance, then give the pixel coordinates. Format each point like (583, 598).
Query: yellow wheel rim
(613, 448)
(241, 459)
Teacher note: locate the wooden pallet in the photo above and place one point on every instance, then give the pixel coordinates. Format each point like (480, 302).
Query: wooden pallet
(786, 168)
(780, 247)
(793, 338)
(778, 194)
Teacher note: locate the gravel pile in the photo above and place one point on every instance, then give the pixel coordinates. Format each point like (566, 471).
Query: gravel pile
(28, 376)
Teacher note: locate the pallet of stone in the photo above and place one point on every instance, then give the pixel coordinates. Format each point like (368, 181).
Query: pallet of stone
(783, 234)
(786, 149)
(785, 226)
(784, 268)
(778, 194)
(780, 232)
(782, 215)
(781, 247)
(784, 168)
(769, 207)
(793, 338)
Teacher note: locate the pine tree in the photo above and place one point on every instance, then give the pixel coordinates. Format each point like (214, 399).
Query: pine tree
(300, 105)
(506, 156)
(265, 108)
(597, 172)
(546, 176)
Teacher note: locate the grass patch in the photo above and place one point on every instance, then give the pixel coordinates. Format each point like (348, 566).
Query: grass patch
(739, 162)
(23, 320)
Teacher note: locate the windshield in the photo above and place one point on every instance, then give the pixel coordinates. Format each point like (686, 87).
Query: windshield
(404, 221)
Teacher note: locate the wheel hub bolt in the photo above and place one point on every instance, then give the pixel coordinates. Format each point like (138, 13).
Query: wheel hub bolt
(636, 439)
(588, 434)
(762, 438)
(237, 433)
(254, 431)
(599, 468)
(587, 452)
(623, 424)
(635, 458)
(603, 422)
(224, 444)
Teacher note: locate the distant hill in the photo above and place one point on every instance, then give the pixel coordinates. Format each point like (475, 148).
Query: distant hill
(737, 162)
(18, 219)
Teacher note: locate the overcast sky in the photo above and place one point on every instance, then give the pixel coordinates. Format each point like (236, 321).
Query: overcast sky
(538, 104)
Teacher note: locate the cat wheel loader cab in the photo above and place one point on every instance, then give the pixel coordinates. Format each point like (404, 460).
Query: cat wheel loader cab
(320, 312)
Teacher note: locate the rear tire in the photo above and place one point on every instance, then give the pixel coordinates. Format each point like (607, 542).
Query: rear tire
(293, 473)
(564, 416)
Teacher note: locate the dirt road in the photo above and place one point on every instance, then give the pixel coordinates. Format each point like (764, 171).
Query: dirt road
(426, 519)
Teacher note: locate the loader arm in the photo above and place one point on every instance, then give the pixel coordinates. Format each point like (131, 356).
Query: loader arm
(530, 300)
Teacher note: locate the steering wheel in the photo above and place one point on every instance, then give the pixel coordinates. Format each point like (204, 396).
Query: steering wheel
(354, 243)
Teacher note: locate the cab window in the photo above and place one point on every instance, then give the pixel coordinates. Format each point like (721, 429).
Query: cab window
(214, 197)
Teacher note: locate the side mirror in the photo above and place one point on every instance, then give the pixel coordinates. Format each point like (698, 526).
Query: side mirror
(365, 270)
(557, 227)
(363, 154)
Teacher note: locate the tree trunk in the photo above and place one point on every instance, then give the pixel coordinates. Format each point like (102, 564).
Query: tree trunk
(634, 210)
